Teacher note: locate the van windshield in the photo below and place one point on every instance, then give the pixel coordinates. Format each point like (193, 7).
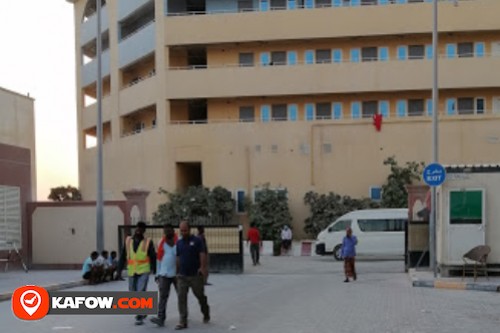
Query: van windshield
(340, 226)
(384, 225)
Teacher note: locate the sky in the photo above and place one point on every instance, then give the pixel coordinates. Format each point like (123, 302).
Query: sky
(37, 57)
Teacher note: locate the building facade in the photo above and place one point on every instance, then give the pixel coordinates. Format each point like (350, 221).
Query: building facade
(17, 168)
(244, 93)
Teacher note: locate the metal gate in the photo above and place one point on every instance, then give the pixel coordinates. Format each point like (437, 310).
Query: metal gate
(224, 243)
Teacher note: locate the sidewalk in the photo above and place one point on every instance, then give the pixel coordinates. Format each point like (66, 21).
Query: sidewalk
(426, 279)
(49, 279)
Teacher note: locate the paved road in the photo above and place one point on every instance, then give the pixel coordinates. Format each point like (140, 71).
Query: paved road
(303, 294)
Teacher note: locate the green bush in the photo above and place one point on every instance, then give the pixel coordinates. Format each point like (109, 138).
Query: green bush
(270, 212)
(198, 205)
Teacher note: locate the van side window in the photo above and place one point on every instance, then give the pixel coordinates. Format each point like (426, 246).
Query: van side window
(382, 225)
(340, 226)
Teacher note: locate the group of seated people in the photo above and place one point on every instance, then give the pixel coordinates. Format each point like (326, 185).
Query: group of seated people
(100, 267)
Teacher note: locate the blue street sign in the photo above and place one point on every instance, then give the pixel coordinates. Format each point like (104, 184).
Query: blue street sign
(434, 174)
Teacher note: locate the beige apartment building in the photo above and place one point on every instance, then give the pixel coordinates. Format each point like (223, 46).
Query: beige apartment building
(17, 168)
(243, 93)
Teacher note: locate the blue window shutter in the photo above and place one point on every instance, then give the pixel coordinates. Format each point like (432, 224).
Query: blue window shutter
(309, 57)
(401, 108)
(309, 111)
(451, 50)
(309, 4)
(401, 1)
(292, 4)
(383, 53)
(337, 3)
(337, 55)
(337, 110)
(384, 108)
(428, 51)
(355, 3)
(356, 110)
(402, 52)
(429, 107)
(292, 112)
(450, 106)
(383, 2)
(479, 49)
(376, 193)
(355, 55)
(240, 201)
(264, 5)
(265, 59)
(292, 57)
(265, 113)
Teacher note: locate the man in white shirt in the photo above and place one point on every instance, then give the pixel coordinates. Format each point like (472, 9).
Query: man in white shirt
(286, 239)
(166, 271)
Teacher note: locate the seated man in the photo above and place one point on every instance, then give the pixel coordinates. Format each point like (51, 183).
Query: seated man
(107, 270)
(89, 271)
(113, 265)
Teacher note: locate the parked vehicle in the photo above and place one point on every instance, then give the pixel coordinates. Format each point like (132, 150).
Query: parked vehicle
(380, 232)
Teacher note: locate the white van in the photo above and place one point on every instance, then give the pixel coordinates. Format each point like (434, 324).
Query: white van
(380, 232)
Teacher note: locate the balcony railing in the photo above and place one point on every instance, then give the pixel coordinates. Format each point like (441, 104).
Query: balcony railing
(292, 5)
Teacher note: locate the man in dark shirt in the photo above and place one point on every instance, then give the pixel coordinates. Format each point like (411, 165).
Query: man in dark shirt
(139, 251)
(192, 272)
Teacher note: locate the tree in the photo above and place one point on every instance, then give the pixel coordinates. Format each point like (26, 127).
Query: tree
(270, 212)
(326, 208)
(65, 193)
(198, 204)
(394, 194)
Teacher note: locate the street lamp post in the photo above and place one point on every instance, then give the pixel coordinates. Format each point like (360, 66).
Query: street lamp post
(99, 199)
(435, 141)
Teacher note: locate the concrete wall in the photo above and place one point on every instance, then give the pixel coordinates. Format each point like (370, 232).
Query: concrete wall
(67, 235)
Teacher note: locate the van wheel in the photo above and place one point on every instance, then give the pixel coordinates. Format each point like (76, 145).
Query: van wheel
(337, 252)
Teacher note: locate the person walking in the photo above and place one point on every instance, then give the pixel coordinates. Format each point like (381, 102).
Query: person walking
(349, 253)
(166, 272)
(253, 238)
(286, 239)
(201, 235)
(140, 254)
(191, 273)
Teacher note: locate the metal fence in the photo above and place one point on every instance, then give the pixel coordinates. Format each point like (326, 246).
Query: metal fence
(224, 243)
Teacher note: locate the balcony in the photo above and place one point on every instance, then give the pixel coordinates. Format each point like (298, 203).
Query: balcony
(330, 78)
(332, 22)
(89, 114)
(137, 45)
(138, 95)
(88, 29)
(89, 70)
(125, 8)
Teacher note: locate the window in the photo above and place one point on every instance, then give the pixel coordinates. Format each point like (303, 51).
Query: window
(245, 5)
(337, 110)
(401, 108)
(278, 4)
(369, 53)
(451, 50)
(323, 3)
(402, 52)
(340, 226)
(327, 148)
(323, 111)
(247, 113)
(240, 201)
(382, 225)
(355, 53)
(279, 112)
(384, 108)
(368, 2)
(309, 111)
(293, 112)
(416, 52)
(355, 110)
(309, 57)
(278, 58)
(450, 106)
(292, 57)
(337, 56)
(10, 216)
(264, 113)
(383, 53)
(265, 59)
(466, 207)
(416, 107)
(376, 193)
(465, 50)
(465, 105)
(246, 59)
(369, 109)
(323, 56)
(480, 105)
(479, 49)
(264, 5)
